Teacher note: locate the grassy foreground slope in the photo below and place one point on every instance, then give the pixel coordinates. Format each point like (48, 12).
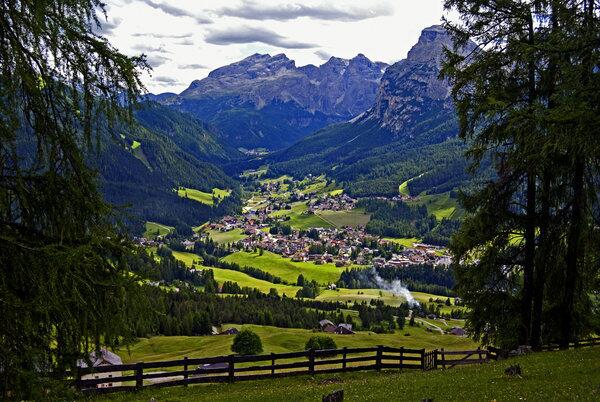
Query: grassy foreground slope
(282, 340)
(551, 376)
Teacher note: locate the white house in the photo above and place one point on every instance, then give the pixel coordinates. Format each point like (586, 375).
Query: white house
(100, 359)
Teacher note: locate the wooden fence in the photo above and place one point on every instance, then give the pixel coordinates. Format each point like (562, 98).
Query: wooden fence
(242, 368)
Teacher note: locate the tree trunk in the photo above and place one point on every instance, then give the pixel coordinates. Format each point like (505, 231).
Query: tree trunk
(572, 260)
(543, 261)
(528, 266)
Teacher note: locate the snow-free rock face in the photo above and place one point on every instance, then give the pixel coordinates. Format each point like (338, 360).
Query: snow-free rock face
(266, 101)
(410, 89)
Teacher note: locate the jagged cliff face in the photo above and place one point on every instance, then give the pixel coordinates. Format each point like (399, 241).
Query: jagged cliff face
(266, 101)
(410, 90)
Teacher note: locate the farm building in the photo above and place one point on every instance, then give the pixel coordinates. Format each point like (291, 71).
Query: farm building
(327, 326)
(344, 329)
(100, 359)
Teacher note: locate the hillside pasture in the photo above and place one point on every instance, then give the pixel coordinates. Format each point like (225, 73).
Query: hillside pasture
(203, 197)
(282, 340)
(242, 279)
(439, 205)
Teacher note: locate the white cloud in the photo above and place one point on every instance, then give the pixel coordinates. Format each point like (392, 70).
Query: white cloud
(177, 33)
(245, 34)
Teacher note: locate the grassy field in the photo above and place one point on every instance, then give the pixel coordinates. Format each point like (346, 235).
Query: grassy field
(340, 219)
(226, 237)
(570, 375)
(406, 242)
(222, 275)
(439, 205)
(403, 188)
(360, 295)
(187, 258)
(301, 220)
(242, 279)
(201, 196)
(285, 268)
(152, 228)
(281, 340)
(135, 144)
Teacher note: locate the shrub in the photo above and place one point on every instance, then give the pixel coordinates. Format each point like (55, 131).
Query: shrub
(247, 343)
(321, 342)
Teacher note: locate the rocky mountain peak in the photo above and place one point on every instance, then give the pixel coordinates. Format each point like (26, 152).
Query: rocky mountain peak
(411, 89)
(431, 45)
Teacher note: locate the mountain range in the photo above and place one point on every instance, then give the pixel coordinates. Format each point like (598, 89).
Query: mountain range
(367, 125)
(266, 101)
(408, 133)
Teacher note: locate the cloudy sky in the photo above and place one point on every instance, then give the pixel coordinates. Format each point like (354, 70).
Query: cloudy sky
(185, 39)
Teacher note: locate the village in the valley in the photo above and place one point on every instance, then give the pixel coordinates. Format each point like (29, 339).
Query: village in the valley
(283, 215)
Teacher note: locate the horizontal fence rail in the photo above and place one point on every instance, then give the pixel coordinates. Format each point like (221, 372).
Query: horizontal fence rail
(232, 368)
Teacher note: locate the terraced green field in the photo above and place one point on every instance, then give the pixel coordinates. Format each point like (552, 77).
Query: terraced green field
(341, 219)
(285, 268)
(153, 228)
(226, 237)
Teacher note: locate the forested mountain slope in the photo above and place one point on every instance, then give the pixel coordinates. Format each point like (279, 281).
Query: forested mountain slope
(409, 133)
(141, 166)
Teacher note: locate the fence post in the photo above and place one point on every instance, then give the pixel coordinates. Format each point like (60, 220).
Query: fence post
(311, 361)
(231, 368)
(139, 376)
(422, 359)
(272, 363)
(401, 358)
(344, 358)
(479, 353)
(443, 359)
(378, 358)
(435, 359)
(185, 368)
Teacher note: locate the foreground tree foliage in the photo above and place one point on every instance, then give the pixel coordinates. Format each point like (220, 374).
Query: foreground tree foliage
(63, 289)
(527, 95)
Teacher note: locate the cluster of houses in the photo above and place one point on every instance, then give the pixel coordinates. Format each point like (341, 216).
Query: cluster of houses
(331, 203)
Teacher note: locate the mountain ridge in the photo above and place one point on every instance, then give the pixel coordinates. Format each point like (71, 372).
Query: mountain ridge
(266, 101)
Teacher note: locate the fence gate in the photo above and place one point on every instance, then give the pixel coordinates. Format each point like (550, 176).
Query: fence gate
(430, 360)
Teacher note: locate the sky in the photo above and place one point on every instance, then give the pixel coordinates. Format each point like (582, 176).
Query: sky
(186, 39)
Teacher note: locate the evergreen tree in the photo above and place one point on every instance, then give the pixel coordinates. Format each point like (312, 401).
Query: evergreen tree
(526, 99)
(63, 288)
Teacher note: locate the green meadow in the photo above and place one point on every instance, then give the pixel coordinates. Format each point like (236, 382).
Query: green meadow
(300, 219)
(203, 197)
(285, 268)
(242, 279)
(356, 217)
(282, 340)
(440, 205)
(226, 237)
(406, 242)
